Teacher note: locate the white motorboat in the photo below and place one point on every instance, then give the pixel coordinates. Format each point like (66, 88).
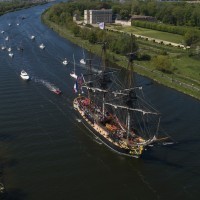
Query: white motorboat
(17, 24)
(65, 62)
(11, 54)
(73, 75)
(82, 61)
(9, 49)
(9, 24)
(24, 75)
(3, 48)
(7, 38)
(42, 46)
(32, 37)
(2, 32)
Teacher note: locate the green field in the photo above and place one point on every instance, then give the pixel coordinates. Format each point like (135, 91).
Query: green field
(150, 33)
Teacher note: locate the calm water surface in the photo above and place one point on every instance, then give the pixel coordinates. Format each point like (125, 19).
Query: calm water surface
(45, 153)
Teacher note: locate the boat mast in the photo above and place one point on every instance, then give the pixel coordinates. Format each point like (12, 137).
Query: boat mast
(74, 64)
(132, 95)
(89, 72)
(103, 71)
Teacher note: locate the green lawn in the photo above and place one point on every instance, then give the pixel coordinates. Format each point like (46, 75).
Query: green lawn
(150, 33)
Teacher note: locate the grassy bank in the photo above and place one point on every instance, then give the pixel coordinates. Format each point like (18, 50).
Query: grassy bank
(150, 33)
(179, 81)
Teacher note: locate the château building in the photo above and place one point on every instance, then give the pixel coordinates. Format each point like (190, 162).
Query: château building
(97, 16)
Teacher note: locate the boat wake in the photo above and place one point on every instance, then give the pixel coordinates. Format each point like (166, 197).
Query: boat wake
(49, 85)
(167, 143)
(78, 120)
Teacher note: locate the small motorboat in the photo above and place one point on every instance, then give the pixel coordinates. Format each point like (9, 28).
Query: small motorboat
(17, 24)
(73, 75)
(11, 54)
(7, 38)
(3, 48)
(56, 91)
(24, 75)
(9, 49)
(20, 48)
(42, 46)
(2, 32)
(9, 24)
(32, 37)
(65, 62)
(82, 61)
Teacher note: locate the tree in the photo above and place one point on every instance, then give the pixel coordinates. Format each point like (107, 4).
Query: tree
(191, 37)
(162, 63)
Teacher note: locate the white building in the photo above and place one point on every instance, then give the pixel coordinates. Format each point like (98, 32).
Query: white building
(97, 16)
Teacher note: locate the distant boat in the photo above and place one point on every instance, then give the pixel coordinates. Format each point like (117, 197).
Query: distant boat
(83, 61)
(73, 73)
(42, 46)
(11, 54)
(2, 32)
(52, 87)
(56, 90)
(65, 62)
(9, 24)
(20, 48)
(17, 24)
(32, 37)
(7, 38)
(9, 49)
(24, 75)
(3, 48)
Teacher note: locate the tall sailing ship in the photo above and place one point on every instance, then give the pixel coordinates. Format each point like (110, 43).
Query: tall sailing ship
(112, 108)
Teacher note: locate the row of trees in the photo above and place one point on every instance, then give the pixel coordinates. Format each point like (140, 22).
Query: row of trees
(117, 43)
(175, 13)
(14, 5)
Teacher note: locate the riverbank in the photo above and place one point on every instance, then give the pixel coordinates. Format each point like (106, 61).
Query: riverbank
(170, 80)
(7, 7)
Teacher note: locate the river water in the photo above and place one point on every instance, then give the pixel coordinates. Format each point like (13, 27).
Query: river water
(45, 153)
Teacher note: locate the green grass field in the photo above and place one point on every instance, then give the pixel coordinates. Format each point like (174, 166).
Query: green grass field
(150, 33)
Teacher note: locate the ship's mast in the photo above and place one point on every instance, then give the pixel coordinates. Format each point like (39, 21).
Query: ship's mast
(130, 79)
(103, 72)
(89, 61)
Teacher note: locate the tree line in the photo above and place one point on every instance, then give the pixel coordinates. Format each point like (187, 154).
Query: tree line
(61, 14)
(10, 6)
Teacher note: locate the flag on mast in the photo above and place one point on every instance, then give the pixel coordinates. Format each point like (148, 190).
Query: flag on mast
(102, 25)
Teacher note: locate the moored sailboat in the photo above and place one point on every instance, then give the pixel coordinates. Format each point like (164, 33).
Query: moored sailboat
(73, 73)
(82, 60)
(65, 62)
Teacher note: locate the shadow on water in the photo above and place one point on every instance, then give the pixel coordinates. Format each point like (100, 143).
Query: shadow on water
(13, 194)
